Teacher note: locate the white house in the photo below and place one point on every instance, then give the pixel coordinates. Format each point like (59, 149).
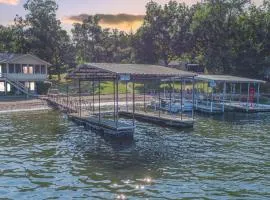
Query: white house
(22, 71)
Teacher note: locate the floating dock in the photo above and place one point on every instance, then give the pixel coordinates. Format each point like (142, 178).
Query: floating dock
(106, 126)
(209, 108)
(162, 119)
(105, 116)
(229, 93)
(247, 108)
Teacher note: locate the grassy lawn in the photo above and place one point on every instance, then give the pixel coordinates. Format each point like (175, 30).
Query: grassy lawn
(107, 86)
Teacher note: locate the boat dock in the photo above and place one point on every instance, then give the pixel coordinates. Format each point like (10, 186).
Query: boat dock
(108, 127)
(105, 116)
(162, 119)
(224, 93)
(204, 108)
(247, 108)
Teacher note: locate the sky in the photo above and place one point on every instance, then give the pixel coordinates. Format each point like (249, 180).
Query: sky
(125, 15)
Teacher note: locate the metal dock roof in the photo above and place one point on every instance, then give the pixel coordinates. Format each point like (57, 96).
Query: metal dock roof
(135, 71)
(227, 78)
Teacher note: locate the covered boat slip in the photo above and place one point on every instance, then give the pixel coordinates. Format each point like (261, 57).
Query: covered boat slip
(219, 93)
(139, 80)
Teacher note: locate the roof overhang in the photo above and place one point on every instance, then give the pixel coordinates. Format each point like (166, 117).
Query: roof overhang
(112, 71)
(227, 79)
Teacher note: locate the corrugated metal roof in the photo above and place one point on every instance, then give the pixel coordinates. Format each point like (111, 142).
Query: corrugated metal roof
(227, 78)
(141, 69)
(6, 57)
(10, 57)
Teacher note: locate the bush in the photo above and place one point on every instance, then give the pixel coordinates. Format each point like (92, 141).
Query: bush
(43, 87)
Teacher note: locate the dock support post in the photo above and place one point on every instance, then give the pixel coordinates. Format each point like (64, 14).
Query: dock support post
(93, 95)
(127, 96)
(207, 94)
(117, 98)
(212, 98)
(258, 93)
(114, 115)
(170, 95)
(133, 102)
(144, 107)
(240, 92)
(173, 90)
(181, 98)
(247, 107)
(67, 97)
(159, 101)
(223, 98)
(80, 100)
(193, 79)
(99, 100)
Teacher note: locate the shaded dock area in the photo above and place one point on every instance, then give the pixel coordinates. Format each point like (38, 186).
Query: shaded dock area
(223, 93)
(116, 116)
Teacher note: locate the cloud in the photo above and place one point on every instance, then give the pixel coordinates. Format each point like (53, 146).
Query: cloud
(10, 2)
(124, 22)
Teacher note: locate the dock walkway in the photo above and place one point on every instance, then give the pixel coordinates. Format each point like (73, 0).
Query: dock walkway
(243, 107)
(109, 127)
(162, 119)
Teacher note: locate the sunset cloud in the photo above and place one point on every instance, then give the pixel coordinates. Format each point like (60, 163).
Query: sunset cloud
(10, 2)
(123, 22)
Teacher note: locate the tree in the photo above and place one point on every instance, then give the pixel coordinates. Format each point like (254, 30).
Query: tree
(94, 44)
(215, 31)
(44, 35)
(86, 37)
(253, 41)
(165, 32)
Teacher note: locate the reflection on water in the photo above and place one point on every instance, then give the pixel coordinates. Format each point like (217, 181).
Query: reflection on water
(45, 156)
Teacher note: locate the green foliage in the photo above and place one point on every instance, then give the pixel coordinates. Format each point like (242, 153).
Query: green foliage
(226, 36)
(94, 44)
(43, 87)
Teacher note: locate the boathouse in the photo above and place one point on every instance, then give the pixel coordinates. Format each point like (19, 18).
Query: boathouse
(20, 73)
(108, 118)
(219, 93)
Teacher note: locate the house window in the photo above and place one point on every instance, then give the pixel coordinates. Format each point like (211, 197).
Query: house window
(2, 86)
(27, 84)
(11, 68)
(43, 69)
(37, 69)
(30, 70)
(32, 86)
(18, 68)
(8, 87)
(3, 68)
(25, 70)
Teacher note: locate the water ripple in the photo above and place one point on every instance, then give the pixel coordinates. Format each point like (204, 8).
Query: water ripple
(45, 156)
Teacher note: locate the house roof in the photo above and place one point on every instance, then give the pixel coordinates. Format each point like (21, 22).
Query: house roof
(227, 78)
(10, 57)
(96, 71)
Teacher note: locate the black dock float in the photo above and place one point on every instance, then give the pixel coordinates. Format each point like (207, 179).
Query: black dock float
(105, 126)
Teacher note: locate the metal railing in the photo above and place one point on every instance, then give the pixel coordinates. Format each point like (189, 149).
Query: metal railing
(15, 83)
(3, 75)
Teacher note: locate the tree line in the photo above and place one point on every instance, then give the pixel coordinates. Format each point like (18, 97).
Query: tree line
(225, 36)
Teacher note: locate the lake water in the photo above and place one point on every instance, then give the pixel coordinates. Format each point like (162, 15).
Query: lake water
(45, 156)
